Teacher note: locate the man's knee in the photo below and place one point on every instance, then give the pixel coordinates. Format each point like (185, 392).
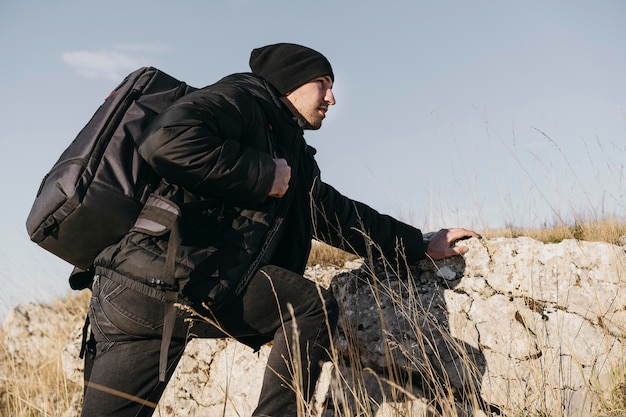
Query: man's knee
(308, 298)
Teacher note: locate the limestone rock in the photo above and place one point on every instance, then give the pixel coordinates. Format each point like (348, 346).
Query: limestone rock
(528, 326)
(514, 326)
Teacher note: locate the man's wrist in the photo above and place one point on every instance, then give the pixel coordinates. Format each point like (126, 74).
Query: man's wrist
(425, 242)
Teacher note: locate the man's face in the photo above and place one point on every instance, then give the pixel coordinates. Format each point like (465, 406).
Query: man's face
(311, 100)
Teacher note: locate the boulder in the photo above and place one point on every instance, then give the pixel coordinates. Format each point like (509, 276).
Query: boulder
(515, 327)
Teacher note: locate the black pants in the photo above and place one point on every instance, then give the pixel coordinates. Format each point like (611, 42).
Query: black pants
(127, 326)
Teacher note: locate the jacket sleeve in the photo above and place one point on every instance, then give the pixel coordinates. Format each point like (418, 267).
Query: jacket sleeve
(209, 145)
(357, 228)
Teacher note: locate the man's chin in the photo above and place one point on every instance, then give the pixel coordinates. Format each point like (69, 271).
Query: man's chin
(311, 127)
(307, 125)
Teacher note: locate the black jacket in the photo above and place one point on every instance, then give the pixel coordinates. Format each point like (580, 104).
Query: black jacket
(217, 145)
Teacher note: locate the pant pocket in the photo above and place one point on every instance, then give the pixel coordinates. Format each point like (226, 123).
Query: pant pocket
(119, 313)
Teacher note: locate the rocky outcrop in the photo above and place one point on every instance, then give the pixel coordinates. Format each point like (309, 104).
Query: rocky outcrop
(526, 326)
(516, 327)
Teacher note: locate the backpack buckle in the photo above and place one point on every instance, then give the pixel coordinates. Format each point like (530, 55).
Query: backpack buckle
(163, 285)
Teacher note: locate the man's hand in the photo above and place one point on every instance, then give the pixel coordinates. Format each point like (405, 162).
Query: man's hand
(282, 176)
(440, 244)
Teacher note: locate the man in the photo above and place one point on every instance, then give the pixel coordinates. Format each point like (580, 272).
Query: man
(236, 165)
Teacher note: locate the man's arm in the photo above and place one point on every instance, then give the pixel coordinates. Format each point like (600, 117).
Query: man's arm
(343, 222)
(354, 226)
(197, 144)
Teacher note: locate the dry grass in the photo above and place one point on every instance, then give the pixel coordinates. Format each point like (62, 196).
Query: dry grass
(36, 386)
(609, 230)
(354, 389)
(32, 382)
(325, 255)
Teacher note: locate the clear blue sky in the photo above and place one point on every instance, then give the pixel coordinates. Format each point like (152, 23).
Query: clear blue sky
(449, 113)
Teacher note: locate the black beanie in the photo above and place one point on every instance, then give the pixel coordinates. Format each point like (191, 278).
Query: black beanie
(287, 66)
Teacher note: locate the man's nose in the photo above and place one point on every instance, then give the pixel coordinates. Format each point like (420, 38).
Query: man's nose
(330, 97)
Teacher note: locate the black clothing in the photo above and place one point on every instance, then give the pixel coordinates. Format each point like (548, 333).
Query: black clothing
(217, 144)
(216, 148)
(127, 328)
(287, 66)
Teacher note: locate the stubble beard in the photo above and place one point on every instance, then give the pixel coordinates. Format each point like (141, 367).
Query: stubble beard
(314, 120)
(309, 123)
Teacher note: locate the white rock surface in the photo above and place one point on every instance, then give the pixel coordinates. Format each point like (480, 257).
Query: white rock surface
(518, 324)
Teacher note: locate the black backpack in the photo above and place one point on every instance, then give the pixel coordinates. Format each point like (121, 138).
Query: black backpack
(93, 194)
